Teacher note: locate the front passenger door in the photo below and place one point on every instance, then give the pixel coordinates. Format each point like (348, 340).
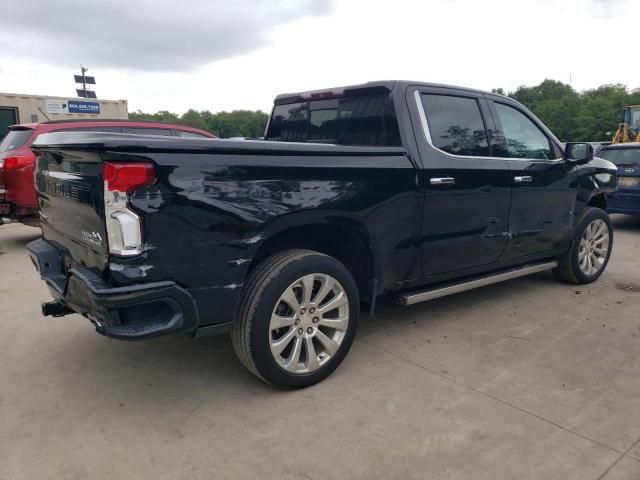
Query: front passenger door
(542, 198)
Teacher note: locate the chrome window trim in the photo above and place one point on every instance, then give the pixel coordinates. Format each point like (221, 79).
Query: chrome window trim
(427, 135)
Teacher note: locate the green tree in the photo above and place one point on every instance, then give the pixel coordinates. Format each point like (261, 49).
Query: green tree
(600, 112)
(591, 115)
(161, 116)
(194, 119)
(555, 103)
(238, 123)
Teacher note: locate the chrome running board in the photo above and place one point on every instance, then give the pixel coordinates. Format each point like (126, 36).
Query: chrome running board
(412, 297)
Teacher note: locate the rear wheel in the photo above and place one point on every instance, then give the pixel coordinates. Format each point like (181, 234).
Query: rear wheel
(590, 250)
(298, 318)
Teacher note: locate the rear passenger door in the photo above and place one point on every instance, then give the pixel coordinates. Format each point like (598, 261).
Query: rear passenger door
(544, 195)
(467, 191)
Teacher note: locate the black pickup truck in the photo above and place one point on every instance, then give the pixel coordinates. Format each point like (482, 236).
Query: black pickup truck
(410, 189)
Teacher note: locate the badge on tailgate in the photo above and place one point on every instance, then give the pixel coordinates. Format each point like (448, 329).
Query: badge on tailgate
(93, 238)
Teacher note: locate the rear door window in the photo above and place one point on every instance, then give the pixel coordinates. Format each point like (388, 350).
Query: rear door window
(147, 131)
(15, 139)
(456, 125)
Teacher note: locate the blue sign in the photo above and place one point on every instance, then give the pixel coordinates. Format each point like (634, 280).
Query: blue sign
(76, 106)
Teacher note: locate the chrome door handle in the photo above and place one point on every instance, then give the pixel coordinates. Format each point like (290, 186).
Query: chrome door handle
(442, 181)
(523, 179)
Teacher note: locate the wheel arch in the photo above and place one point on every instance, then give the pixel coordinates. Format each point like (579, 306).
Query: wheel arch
(347, 241)
(598, 200)
(594, 182)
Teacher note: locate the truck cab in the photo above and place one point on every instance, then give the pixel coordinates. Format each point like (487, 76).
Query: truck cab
(496, 184)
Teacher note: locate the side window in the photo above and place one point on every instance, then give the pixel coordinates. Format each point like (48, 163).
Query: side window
(147, 131)
(456, 125)
(15, 139)
(185, 134)
(524, 139)
(91, 129)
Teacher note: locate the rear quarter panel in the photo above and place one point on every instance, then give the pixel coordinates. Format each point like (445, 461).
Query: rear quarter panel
(208, 214)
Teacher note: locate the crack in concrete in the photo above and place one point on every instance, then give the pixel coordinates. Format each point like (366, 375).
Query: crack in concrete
(606, 472)
(504, 402)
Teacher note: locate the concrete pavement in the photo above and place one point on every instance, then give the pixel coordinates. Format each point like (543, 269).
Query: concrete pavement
(530, 379)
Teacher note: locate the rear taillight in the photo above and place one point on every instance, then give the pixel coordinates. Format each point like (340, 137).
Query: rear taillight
(17, 162)
(124, 229)
(124, 177)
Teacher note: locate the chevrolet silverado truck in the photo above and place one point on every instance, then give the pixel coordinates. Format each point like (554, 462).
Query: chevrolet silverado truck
(406, 189)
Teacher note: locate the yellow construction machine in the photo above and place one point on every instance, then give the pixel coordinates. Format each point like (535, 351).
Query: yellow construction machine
(629, 129)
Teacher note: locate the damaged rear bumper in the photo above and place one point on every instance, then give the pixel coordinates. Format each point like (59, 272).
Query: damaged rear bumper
(128, 312)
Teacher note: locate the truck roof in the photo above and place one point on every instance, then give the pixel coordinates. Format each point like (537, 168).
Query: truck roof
(369, 87)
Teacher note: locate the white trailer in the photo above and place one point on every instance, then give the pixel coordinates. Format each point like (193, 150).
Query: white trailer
(17, 108)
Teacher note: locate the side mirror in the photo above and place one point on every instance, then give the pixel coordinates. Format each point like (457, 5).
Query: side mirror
(578, 152)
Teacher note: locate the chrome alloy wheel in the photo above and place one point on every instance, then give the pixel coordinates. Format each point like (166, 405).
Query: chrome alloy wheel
(594, 247)
(309, 323)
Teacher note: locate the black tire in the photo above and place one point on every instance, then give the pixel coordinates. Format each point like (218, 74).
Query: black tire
(251, 334)
(569, 269)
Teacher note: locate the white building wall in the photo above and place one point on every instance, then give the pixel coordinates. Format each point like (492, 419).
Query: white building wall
(38, 108)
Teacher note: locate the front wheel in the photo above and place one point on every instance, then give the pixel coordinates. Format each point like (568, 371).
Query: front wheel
(297, 319)
(590, 250)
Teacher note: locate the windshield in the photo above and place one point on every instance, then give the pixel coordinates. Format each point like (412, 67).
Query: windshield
(635, 118)
(15, 139)
(632, 117)
(622, 156)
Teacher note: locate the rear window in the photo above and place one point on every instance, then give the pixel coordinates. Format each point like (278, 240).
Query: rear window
(15, 139)
(351, 120)
(622, 156)
(323, 125)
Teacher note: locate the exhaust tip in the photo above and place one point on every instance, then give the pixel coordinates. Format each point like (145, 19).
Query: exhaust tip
(55, 309)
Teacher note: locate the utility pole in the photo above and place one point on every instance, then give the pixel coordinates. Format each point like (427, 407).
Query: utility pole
(85, 80)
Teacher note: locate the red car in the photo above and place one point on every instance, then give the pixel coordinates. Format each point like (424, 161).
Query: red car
(17, 193)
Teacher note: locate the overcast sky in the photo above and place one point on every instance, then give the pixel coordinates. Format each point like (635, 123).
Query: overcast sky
(238, 54)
